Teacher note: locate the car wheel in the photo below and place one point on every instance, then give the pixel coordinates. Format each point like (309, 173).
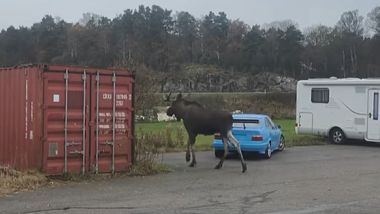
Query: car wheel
(281, 146)
(336, 136)
(268, 152)
(219, 153)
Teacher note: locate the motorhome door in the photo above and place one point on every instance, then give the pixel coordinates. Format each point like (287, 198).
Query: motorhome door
(373, 124)
(305, 125)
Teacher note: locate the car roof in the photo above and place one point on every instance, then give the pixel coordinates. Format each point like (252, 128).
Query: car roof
(249, 116)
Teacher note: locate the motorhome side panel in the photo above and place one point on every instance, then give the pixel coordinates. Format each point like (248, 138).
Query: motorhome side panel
(346, 108)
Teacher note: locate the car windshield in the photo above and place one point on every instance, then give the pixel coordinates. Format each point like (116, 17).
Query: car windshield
(245, 123)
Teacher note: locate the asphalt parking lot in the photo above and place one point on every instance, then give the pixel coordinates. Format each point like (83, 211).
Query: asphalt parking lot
(313, 179)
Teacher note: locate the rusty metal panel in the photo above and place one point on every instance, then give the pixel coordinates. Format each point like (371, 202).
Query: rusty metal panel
(49, 121)
(20, 131)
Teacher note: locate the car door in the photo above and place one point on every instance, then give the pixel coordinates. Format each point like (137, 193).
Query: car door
(274, 133)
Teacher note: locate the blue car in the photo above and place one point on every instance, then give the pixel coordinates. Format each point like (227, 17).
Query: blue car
(256, 133)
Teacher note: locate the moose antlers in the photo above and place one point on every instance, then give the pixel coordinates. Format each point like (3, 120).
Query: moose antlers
(167, 97)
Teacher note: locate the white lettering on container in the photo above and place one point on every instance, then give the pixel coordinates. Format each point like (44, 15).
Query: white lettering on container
(30, 135)
(122, 96)
(107, 96)
(119, 102)
(26, 109)
(31, 112)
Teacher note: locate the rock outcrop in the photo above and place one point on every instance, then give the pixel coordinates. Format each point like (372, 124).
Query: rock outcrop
(209, 79)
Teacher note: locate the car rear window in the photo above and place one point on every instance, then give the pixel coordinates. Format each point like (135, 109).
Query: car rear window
(245, 123)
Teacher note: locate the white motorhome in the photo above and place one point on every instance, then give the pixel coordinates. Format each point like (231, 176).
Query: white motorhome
(339, 108)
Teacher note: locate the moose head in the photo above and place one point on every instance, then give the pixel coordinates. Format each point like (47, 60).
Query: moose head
(176, 107)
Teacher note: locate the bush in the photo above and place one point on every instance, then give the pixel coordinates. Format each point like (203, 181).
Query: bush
(149, 146)
(12, 180)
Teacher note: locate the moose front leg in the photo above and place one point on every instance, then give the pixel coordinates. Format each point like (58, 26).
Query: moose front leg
(193, 161)
(220, 164)
(188, 151)
(190, 145)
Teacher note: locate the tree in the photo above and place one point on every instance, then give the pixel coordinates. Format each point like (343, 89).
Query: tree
(280, 25)
(373, 20)
(90, 17)
(213, 32)
(318, 36)
(350, 34)
(316, 56)
(161, 27)
(253, 48)
(271, 49)
(186, 29)
(154, 38)
(125, 42)
(290, 51)
(16, 47)
(49, 39)
(351, 22)
(233, 54)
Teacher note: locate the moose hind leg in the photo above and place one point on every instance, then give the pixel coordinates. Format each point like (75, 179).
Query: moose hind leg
(225, 143)
(236, 143)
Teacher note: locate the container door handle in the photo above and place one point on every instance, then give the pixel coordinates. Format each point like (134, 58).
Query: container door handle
(369, 115)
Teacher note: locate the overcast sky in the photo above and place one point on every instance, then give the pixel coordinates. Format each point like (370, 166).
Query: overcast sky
(304, 12)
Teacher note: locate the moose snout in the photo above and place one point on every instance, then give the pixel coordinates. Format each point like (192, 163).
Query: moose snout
(170, 112)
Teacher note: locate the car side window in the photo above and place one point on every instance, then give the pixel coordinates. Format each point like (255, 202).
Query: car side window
(268, 123)
(271, 123)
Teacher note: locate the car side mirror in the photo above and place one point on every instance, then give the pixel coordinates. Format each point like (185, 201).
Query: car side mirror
(278, 126)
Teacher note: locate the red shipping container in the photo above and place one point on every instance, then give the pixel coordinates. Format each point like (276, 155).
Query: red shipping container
(66, 119)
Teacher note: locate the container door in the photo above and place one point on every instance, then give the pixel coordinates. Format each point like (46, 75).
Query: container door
(65, 122)
(373, 125)
(111, 119)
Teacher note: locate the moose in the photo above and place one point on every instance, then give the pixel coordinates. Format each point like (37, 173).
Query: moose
(200, 120)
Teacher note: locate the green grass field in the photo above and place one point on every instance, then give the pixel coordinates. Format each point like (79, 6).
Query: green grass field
(204, 142)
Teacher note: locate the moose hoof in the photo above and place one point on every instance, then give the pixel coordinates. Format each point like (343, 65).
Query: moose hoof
(244, 167)
(218, 166)
(187, 157)
(192, 164)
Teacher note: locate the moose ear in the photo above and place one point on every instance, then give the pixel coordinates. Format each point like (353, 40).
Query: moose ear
(179, 96)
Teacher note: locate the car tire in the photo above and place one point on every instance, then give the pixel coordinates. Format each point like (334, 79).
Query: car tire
(219, 153)
(268, 152)
(336, 136)
(281, 145)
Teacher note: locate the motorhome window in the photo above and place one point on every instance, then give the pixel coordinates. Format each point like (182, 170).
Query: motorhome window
(319, 95)
(376, 106)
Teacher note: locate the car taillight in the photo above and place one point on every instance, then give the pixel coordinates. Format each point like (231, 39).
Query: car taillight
(217, 136)
(257, 138)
